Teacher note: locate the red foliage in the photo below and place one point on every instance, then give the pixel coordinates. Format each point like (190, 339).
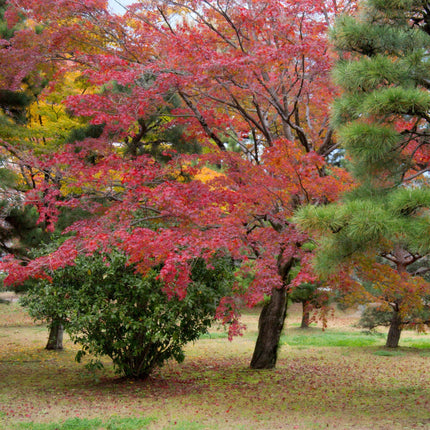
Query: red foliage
(255, 73)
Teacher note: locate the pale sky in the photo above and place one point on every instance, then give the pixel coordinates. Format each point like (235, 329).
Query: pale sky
(115, 7)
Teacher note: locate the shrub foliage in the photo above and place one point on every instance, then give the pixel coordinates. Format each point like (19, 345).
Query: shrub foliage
(110, 309)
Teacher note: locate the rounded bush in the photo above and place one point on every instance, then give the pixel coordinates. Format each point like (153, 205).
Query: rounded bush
(110, 309)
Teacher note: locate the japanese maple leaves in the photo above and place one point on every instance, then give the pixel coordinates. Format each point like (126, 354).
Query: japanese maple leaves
(244, 75)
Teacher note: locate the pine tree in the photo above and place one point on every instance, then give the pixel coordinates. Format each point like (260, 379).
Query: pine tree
(380, 230)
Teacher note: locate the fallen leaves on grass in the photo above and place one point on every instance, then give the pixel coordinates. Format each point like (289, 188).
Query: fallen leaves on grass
(312, 387)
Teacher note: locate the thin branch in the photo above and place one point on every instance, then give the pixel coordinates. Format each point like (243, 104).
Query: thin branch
(202, 120)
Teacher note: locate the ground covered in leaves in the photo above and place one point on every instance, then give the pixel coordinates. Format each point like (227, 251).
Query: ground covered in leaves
(340, 378)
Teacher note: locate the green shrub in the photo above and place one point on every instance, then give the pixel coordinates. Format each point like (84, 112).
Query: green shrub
(373, 317)
(109, 309)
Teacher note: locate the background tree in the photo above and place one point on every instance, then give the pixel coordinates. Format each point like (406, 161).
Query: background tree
(373, 317)
(310, 296)
(380, 229)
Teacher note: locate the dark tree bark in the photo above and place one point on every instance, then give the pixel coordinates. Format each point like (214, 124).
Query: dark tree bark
(271, 321)
(395, 330)
(305, 315)
(55, 339)
(270, 325)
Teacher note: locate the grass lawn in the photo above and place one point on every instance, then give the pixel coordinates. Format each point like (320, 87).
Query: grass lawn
(338, 379)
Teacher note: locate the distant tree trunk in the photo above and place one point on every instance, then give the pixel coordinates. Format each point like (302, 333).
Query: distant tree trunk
(270, 325)
(305, 315)
(395, 330)
(55, 339)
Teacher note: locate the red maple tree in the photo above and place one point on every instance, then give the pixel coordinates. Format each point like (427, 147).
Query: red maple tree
(251, 76)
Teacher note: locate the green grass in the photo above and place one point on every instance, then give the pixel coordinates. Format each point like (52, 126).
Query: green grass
(332, 339)
(113, 423)
(214, 335)
(415, 343)
(299, 325)
(389, 353)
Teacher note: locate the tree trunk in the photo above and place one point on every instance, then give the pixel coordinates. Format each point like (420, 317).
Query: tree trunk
(270, 325)
(394, 331)
(55, 340)
(305, 315)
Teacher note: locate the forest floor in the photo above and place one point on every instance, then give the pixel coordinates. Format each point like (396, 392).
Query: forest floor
(340, 378)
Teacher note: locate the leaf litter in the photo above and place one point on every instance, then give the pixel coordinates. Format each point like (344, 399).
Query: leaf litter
(214, 388)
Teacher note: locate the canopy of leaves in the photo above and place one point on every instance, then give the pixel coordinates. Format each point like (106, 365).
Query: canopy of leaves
(203, 73)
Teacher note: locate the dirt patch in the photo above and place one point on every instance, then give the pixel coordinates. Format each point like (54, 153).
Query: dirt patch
(9, 296)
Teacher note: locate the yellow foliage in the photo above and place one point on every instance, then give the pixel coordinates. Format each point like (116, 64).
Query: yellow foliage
(206, 174)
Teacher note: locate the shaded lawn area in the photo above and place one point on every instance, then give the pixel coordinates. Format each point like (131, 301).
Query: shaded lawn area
(340, 378)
